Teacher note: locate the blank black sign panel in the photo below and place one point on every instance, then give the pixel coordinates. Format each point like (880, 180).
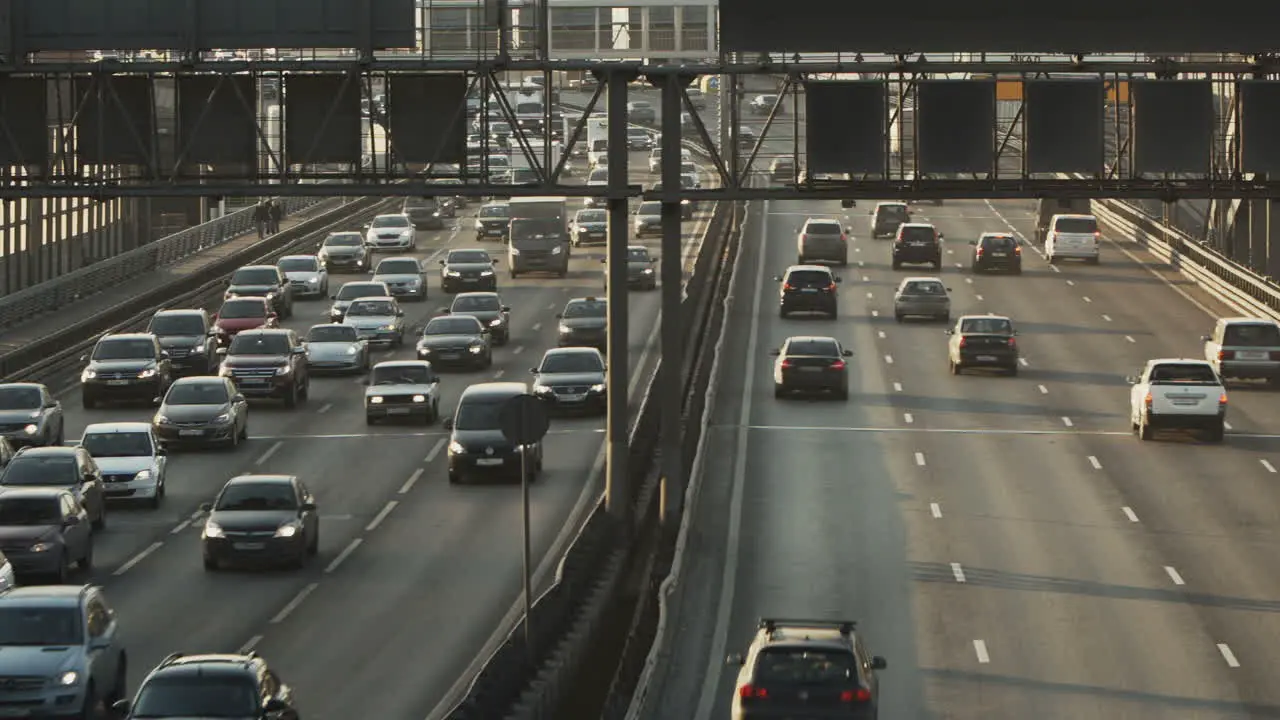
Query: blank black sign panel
(1064, 126)
(845, 127)
(1260, 126)
(955, 126)
(427, 118)
(24, 132)
(322, 120)
(1173, 124)
(115, 125)
(216, 124)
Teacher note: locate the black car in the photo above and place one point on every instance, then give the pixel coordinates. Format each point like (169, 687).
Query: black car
(233, 687)
(468, 270)
(461, 341)
(687, 206)
(202, 411)
(590, 227)
(129, 366)
(641, 274)
(811, 365)
(584, 322)
(30, 415)
(189, 338)
(268, 363)
(487, 307)
(427, 213)
(996, 251)
(806, 668)
(888, 217)
(983, 341)
(70, 468)
(917, 244)
(808, 288)
(477, 446)
(344, 251)
(266, 281)
(261, 519)
(493, 221)
(572, 379)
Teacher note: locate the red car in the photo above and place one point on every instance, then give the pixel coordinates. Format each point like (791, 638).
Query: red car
(243, 313)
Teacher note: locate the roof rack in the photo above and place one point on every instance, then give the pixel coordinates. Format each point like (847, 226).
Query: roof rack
(845, 627)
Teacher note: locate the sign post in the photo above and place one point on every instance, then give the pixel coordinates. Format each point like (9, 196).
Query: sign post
(524, 421)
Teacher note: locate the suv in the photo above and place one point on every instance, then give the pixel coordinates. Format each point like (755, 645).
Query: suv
(1244, 348)
(129, 366)
(268, 363)
(886, 219)
(69, 468)
(30, 415)
(189, 338)
(808, 288)
(62, 653)
(809, 668)
(477, 444)
(822, 240)
(266, 281)
(917, 244)
(996, 251)
(426, 213)
(235, 687)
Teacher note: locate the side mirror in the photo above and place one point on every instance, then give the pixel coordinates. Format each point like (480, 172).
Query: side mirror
(441, 263)
(506, 308)
(494, 261)
(775, 352)
(777, 278)
(308, 507)
(70, 520)
(533, 371)
(1205, 338)
(333, 297)
(444, 311)
(274, 705)
(271, 316)
(164, 354)
(85, 358)
(237, 398)
(950, 290)
(156, 401)
(604, 261)
(228, 282)
(653, 260)
(447, 424)
(399, 313)
(206, 507)
(848, 229)
(299, 350)
(559, 316)
(121, 707)
(220, 352)
(971, 242)
(846, 353)
(162, 451)
(941, 236)
(838, 278)
(879, 663)
(735, 659)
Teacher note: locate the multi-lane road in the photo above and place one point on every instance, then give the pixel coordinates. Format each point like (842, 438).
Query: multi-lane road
(1006, 542)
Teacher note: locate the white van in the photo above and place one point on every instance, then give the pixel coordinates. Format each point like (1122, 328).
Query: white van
(1072, 236)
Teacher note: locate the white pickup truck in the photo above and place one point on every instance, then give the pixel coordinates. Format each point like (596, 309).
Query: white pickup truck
(1177, 393)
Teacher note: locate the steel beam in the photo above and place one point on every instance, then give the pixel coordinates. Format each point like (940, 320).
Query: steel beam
(671, 369)
(617, 424)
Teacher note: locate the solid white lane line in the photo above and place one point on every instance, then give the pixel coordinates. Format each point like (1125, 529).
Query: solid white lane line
(1043, 390)
(935, 509)
(906, 417)
(536, 327)
(1067, 421)
(181, 526)
(250, 644)
(1270, 468)
(1173, 575)
(980, 647)
(346, 553)
(1071, 282)
(1023, 362)
(888, 359)
(1130, 338)
(1129, 513)
(978, 298)
(969, 280)
(957, 572)
(517, 350)
(880, 333)
(325, 408)
(435, 450)
(1093, 460)
(1106, 318)
(270, 451)
(897, 387)
(382, 515)
(1227, 655)
(499, 373)
(132, 562)
(297, 600)
(408, 484)
(920, 459)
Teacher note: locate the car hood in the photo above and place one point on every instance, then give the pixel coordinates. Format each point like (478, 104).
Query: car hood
(370, 321)
(19, 416)
(484, 316)
(374, 232)
(469, 267)
(405, 278)
(45, 660)
(332, 250)
(332, 349)
(433, 341)
(593, 226)
(648, 218)
(241, 323)
(252, 519)
(253, 290)
(129, 365)
(193, 413)
(402, 389)
(558, 379)
(26, 533)
(304, 275)
(181, 341)
(475, 441)
(124, 465)
(638, 266)
(494, 221)
(586, 323)
(233, 361)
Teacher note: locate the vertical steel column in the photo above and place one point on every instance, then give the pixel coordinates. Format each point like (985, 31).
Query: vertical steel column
(617, 484)
(671, 368)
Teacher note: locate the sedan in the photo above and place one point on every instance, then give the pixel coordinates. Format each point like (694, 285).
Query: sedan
(489, 309)
(377, 320)
(811, 365)
(336, 348)
(461, 341)
(202, 411)
(403, 276)
(306, 274)
(648, 219)
(922, 297)
(261, 519)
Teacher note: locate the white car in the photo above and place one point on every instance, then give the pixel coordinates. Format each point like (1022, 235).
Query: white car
(391, 232)
(131, 459)
(407, 389)
(1178, 393)
(306, 274)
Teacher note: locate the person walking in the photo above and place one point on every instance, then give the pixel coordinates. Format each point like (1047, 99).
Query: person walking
(277, 214)
(262, 218)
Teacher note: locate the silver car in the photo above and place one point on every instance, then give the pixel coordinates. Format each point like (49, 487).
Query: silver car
(1245, 349)
(408, 389)
(352, 291)
(337, 348)
(306, 274)
(403, 276)
(30, 415)
(648, 219)
(131, 458)
(922, 297)
(377, 320)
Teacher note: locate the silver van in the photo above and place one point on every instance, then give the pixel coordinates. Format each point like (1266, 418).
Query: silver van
(823, 241)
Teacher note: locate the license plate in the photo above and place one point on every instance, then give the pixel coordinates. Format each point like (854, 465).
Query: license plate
(999, 254)
(809, 290)
(489, 462)
(117, 382)
(811, 369)
(449, 356)
(190, 433)
(397, 411)
(470, 280)
(986, 358)
(1252, 355)
(14, 712)
(493, 232)
(249, 546)
(252, 381)
(577, 397)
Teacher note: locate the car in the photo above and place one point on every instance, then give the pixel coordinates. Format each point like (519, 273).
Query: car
(996, 251)
(782, 170)
(131, 458)
(917, 244)
(71, 468)
(810, 364)
(44, 532)
(762, 104)
(808, 288)
(6, 454)
(265, 281)
(467, 270)
(391, 232)
(488, 308)
(648, 219)
(352, 291)
(493, 221)
(983, 341)
(1178, 393)
(655, 161)
(887, 218)
(590, 226)
(427, 213)
(190, 686)
(573, 379)
(686, 205)
(584, 322)
(922, 297)
(456, 341)
(639, 139)
(336, 347)
(1244, 348)
(124, 367)
(239, 314)
(260, 520)
(202, 411)
(377, 320)
(1073, 236)
(640, 272)
(307, 275)
(592, 201)
(403, 276)
(62, 651)
(641, 111)
(189, 338)
(408, 389)
(822, 241)
(344, 251)
(268, 364)
(806, 668)
(30, 415)
(477, 445)
(746, 137)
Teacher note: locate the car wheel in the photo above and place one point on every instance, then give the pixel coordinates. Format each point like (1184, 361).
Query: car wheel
(101, 522)
(1012, 370)
(842, 394)
(291, 399)
(313, 547)
(86, 560)
(88, 402)
(1145, 432)
(211, 565)
(1217, 433)
(779, 391)
(454, 478)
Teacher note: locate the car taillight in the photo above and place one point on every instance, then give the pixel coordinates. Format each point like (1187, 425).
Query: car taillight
(787, 364)
(837, 365)
(1148, 400)
(859, 695)
(1228, 354)
(1222, 399)
(979, 251)
(1013, 342)
(1097, 234)
(962, 342)
(1017, 251)
(751, 691)
(804, 236)
(788, 286)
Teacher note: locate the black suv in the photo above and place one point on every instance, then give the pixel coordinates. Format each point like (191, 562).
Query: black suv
(917, 244)
(266, 281)
(268, 363)
(235, 687)
(996, 251)
(807, 668)
(189, 338)
(129, 366)
(70, 468)
(808, 288)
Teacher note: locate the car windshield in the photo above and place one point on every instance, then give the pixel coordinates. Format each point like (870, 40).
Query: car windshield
(804, 666)
(399, 267)
(469, 257)
(36, 626)
(1252, 335)
(197, 696)
(371, 308)
(478, 414)
(172, 325)
(58, 470)
(638, 133)
(688, 180)
(345, 240)
(987, 326)
(524, 175)
(20, 398)
(400, 375)
(599, 175)
(998, 243)
(258, 496)
(355, 291)
(822, 228)
(495, 211)
(1079, 225)
(125, 350)
(586, 309)
(298, 265)
(638, 254)
(255, 276)
(917, 233)
(253, 344)
(1183, 374)
(817, 348)
(499, 161)
(809, 278)
(477, 303)
(891, 212)
(332, 334)
(18, 511)
(391, 221)
(650, 208)
(196, 393)
(575, 362)
(924, 287)
(118, 444)
(243, 309)
(591, 216)
(453, 326)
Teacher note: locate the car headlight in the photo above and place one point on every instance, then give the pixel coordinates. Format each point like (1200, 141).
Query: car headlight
(455, 448)
(270, 294)
(284, 370)
(224, 371)
(41, 547)
(475, 349)
(31, 429)
(419, 398)
(223, 418)
(149, 372)
(556, 250)
(376, 400)
(598, 387)
(387, 327)
(479, 225)
(405, 233)
(160, 419)
(88, 374)
(435, 214)
(70, 677)
(351, 350)
(487, 273)
(565, 329)
(514, 250)
(197, 350)
(313, 280)
(212, 530)
(647, 271)
(424, 350)
(495, 323)
(142, 476)
(452, 273)
(541, 390)
(288, 530)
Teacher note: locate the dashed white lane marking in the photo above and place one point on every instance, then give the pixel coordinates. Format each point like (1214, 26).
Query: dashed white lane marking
(346, 553)
(1270, 468)
(1086, 299)
(1071, 282)
(897, 387)
(325, 408)
(857, 249)
(1067, 421)
(880, 333)
(1227, 655)
(959, 265)
(980, 647)
(907, 418)
(969, 280)
(133, 561)
(920, 459)
(435, 450)
(866, 278)
(875, 313)
(861, 264)
(1226, 425)
(180, 527)
(551, 306)
(870, 295)
(1023, 362)
(1129, 513)
(498, 373)
(1043, 390)
(382, 515)
(1106, 318)
(950, 251)
(270, 451)
(1093, 460)
(536, 327)
(1173, 575)
(517, 350)
(957, 572)
(978, 298)
(250, 644)
(1130, 338)
(935, 510)
(1055, 268)
(408, 484)
(297, 600)
(888, 359)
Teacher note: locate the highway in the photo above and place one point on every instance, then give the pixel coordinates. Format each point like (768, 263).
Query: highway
(1006, 542)
(413, 575)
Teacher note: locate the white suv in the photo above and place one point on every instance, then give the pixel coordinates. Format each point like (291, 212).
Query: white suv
(1072, 236)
